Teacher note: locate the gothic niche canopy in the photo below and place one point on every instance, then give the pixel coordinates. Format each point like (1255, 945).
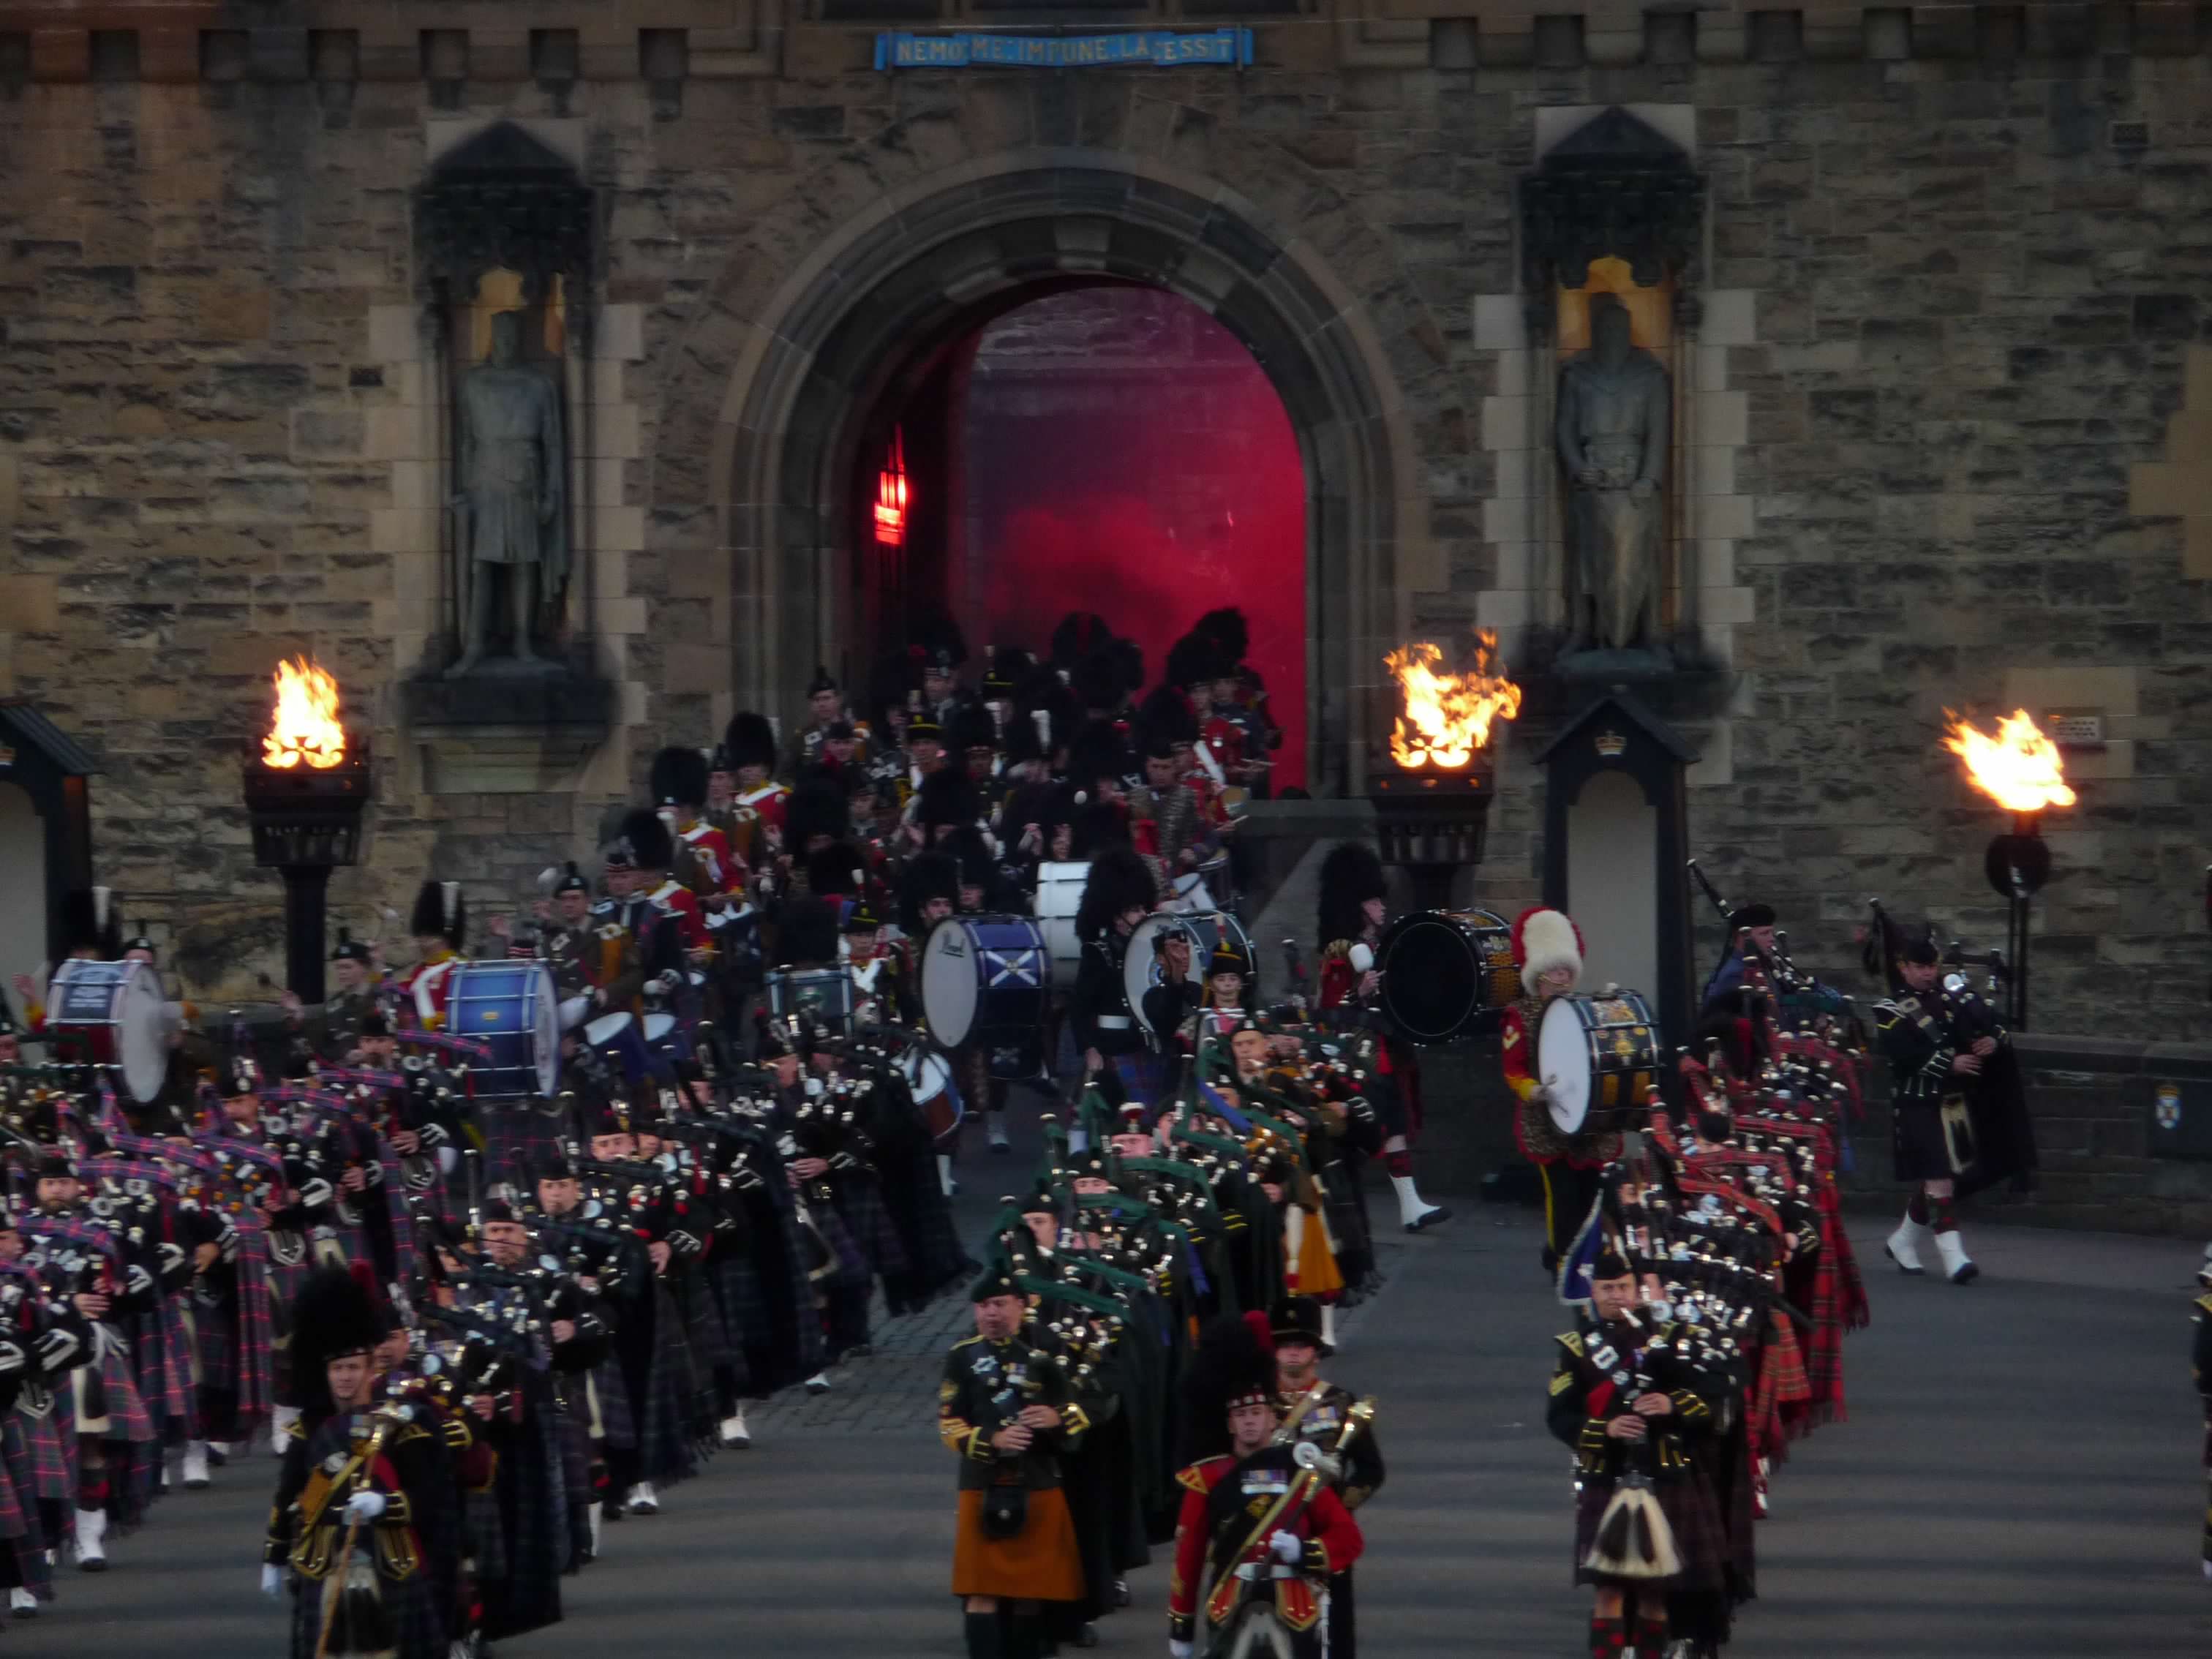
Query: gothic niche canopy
(504, 200)
(1618, 188)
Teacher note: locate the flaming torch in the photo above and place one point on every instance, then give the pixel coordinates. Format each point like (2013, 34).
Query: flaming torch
(2020, 768)
(305, 793)
(1433, 800)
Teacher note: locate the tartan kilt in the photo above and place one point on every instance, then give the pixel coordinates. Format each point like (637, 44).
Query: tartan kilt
(18, 1472)
(215, 1340)
(122, 1404)
(860, 1204)
(486, 1537)
(1692, 1515)
(696, 1298)
(617, 1423)
(50, 1443)
(409, 1601)
(742, 1309)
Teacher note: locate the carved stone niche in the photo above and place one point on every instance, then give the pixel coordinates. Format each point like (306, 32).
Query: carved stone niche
(1612, 219)
(1617, 187)
(508, 697)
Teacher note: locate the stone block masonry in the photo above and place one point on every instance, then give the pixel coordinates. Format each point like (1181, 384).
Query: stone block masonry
(1953, 378)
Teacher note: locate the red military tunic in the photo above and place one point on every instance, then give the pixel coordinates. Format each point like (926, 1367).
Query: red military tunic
(1332, 1542)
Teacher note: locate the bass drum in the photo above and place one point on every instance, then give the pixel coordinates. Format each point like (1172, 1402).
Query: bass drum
(1599, 1057)
(1447, 975)
(985, 981)
(114, 1014)
(1059, 895)
(929, 1080)
(510, 1008)
(1140, 964)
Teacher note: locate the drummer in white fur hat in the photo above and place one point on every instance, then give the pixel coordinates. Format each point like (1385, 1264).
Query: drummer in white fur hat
(1547, 947)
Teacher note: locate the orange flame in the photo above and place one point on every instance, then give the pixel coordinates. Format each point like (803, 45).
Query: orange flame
(1447, 716)
(305, 727)
(2020, 769)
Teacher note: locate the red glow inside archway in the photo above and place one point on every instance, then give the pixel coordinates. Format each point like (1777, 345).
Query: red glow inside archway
(1115, 449)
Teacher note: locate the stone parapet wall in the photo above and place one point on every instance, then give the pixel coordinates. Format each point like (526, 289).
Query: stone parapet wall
(668, 41)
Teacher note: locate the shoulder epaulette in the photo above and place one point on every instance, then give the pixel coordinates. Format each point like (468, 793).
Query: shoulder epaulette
(1571, 1341)
(1194, 1475)
(1335, 948)
(967, 1342)
(2204, 1303)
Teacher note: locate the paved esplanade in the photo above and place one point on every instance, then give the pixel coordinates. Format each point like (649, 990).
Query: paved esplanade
(2019, 1477)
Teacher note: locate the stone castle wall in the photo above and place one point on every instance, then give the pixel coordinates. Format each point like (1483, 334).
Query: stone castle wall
(1950, 397)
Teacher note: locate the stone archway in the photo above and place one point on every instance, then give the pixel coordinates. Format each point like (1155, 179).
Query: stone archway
(930, 262)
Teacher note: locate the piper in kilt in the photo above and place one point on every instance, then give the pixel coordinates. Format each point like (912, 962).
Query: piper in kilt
(1005, 1409)
(1643, 1523)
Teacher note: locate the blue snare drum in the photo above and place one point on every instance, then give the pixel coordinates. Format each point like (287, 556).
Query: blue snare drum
(616, 1036)
(985, 982)
(511, 1007)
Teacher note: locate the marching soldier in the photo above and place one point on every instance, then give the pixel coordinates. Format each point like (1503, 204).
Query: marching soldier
(1005, 1411)
(1547, 947)
(332, 1031)
(1351, 910)
(2202, 1369)
(1259, 1536)
(1118, 894)
(439, 924)
(1317, 1411)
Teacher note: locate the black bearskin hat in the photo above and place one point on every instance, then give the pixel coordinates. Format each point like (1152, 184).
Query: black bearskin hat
(440, 912)
(897, 675)
(944, 648)
(806, 932)
(1231, 638)
(90, 923)
(679, 777)
(1297, 1319)
(818, 806)
(1099, 826)
(972, 855)
(972, 728)
(1080, 633)
(928, 876)
(1230, 1365)
(946, 797)
(1044, 691)
(1193, 660)
(837, 870)
(1119, 881)
(651, 845)
(1097, 751)
(1097, 680)
(748, 740)
(1009, 666)
(1350, 876)
(1167, 717)
(333, 1315)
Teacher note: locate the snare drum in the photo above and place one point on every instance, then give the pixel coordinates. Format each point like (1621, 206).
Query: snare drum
(1447, 975)
(824, 995)
(616, 1036)
(114, 1014)
(512, 1008)
(1059, 897)
(1598, 1057)
(1140, 964)
(929, 1080)
(985, 981)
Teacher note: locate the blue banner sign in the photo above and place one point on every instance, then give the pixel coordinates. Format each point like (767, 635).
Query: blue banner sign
(1164, 48)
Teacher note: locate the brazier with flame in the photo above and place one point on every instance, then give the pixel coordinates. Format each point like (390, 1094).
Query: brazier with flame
(305, 793)
(2021, 769)
(1432, 796)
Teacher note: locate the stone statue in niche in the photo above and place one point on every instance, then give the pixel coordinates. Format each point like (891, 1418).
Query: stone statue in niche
(510, 522)
(1614, 411)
